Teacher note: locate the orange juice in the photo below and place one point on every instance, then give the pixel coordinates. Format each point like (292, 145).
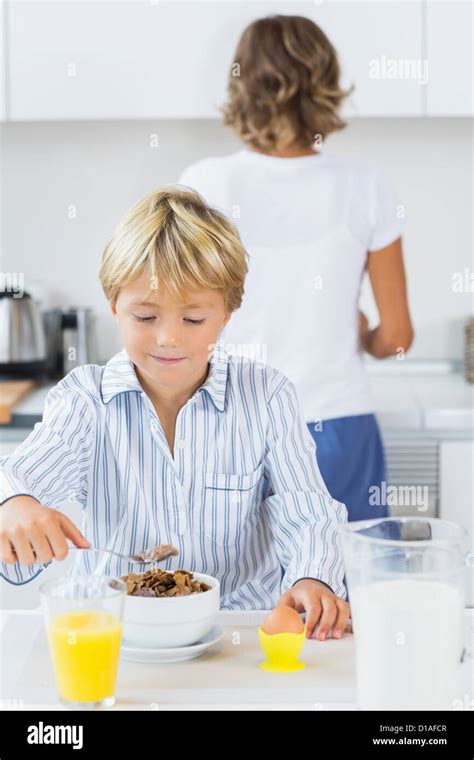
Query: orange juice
(85, 648)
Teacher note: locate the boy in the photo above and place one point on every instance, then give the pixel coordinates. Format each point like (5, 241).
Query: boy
(175, 441)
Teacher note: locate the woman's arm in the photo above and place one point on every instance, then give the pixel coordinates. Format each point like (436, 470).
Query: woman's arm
(387, 278)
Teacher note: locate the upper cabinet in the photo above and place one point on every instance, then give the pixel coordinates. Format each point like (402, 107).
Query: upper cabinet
(449, 41)
(379, 45)
(116, 59)
(108, 59)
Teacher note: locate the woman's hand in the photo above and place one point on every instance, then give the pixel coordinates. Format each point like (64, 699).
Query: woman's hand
(320, 604)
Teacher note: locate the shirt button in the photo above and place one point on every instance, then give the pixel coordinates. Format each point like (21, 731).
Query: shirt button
(181, 444)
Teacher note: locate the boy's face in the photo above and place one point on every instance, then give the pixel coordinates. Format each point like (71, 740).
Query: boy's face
(155, 325)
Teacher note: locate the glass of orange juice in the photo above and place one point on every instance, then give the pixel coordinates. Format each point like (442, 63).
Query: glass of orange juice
(83, 615)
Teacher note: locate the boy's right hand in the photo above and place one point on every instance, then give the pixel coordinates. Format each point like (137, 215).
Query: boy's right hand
(31, 532)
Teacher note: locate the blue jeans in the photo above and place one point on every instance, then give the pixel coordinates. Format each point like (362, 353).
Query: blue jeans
(351, 460)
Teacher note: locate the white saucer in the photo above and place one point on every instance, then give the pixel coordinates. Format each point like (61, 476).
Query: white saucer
(171, 654)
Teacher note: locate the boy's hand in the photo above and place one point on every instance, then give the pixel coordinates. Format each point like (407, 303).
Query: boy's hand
(31, 532)
(320, 604)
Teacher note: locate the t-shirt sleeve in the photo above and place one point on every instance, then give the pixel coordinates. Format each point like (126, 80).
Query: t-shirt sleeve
(386, 212)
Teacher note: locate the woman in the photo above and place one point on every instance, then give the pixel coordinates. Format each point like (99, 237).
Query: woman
(312, 223)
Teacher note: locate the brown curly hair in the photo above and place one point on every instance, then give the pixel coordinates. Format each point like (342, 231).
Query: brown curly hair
(283, 87)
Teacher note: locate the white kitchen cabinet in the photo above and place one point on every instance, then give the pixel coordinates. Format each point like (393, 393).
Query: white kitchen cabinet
(146, 59)
(379, 45)
(3, 66)
(449, 39)
(457, 482)
(457, 495)
(112, 60)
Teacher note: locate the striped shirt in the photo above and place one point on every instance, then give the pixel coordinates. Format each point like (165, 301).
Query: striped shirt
(241, 495)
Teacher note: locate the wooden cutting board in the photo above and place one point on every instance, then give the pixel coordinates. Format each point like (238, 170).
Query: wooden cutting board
(11, 392)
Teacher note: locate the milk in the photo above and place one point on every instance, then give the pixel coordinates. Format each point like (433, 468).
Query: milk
(409, 642)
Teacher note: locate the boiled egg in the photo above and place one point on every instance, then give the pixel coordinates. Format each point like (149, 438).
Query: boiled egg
(283, 620)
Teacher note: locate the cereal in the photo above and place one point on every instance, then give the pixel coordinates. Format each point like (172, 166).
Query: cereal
(158, 554)
(163, 583)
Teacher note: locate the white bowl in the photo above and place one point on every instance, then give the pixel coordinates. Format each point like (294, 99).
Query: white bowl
(171, 621)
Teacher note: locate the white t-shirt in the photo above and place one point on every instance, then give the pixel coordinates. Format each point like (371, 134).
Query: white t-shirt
(307, 224)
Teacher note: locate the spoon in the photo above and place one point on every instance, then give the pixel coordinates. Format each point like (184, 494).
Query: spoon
(145, 556)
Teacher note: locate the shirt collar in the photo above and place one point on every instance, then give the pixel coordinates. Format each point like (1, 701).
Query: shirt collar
(119, 376)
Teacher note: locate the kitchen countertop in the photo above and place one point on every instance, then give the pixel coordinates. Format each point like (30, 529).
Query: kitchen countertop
(417, 396)
(227, 676)
(424, 402)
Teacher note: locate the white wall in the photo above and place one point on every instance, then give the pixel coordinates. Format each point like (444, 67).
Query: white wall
(101, 168)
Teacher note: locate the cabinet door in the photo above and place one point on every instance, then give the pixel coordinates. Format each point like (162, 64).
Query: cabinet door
(147, 59)
(114, 60)
(449, 42)
(380, 48)
(3, 62)
(457, 494)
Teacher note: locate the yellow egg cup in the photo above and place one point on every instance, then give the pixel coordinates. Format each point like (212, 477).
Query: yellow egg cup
(282, 650)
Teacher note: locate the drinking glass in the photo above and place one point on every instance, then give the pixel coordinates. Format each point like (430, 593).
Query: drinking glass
(83, 616)
(405, 579)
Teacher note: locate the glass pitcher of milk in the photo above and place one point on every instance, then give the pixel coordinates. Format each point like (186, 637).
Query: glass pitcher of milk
(405, 579)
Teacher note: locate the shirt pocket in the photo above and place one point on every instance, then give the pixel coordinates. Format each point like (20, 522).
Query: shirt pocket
(230, 499)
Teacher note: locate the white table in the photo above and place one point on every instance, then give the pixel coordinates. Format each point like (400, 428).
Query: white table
(227, 676)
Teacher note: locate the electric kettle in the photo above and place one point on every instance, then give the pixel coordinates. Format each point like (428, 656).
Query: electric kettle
(22, 336)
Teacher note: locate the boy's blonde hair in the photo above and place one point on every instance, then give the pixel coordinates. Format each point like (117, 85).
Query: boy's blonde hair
(181, 241)
(283, 87)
